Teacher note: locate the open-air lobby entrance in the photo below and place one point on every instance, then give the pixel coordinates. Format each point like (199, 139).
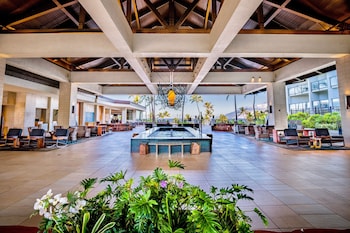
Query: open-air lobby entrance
(62, 62)
(307, 189)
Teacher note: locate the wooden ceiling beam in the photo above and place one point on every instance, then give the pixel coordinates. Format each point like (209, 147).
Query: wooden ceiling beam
(278, 10)
(82, 17)
(69, 15)
(41, 14)
(213, 10)
(260, 14)
(157, 14)
(136, 12)
(171, 13)
(186, 14)
(207, 15)
(128, 11)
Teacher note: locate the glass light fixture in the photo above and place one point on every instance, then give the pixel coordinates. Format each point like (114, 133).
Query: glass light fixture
(171, 96)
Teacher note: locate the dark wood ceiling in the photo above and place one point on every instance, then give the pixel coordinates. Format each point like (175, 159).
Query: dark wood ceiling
(176, 16)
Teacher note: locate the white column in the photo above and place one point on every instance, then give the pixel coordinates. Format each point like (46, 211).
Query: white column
(67, 107)
(108, 114)
(124, 115)
(134, 117)
(81, 113)
(276, 98)
(49, 113)
(343, 73)
(2, 81)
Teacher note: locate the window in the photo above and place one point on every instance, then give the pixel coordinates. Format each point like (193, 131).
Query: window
(319, 85)
(298, 90)
(324, 104)
(334, 82)
(335, 102)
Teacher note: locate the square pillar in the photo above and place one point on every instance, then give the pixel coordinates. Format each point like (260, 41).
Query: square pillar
(2, 81)
(67, 107)
(343, 73)
(276, 101)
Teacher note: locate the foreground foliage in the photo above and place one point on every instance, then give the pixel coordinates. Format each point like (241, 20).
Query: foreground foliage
(159, 203)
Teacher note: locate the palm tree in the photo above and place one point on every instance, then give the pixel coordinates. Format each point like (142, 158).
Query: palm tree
(187, 117)
(149, 102)
(209, 109)
(196, 99)
(254, 106)
(163, 114)
(243, 111)
(235, 104)
(223, 118)
(136, 99)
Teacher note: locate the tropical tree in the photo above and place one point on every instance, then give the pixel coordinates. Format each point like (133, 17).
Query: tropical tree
(250, 117)
(136, 99)
(243, 111)
(223, 118)
(260, 117)
(196, 99)
(149, 101)
(209, 109)
(235, 105)
(163, 115)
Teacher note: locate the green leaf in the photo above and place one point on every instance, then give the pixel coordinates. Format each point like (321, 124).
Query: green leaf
(98, 223)
(176, 164)
(86, 219)
(262, 216)
(106, 227)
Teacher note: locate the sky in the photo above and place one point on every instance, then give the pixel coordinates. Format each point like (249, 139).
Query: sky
(222, 104)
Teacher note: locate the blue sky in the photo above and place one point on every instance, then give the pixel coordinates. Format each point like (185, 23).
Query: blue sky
(220, 103)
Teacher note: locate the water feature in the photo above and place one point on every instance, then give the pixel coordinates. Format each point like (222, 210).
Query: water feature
(169, 135)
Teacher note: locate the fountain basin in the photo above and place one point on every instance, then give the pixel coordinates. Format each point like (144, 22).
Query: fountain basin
(171, 135)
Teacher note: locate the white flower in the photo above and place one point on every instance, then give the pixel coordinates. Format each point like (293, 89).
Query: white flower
(48, 215)
(47, 195)
(73, 210)
(38, 204)
(80, 204)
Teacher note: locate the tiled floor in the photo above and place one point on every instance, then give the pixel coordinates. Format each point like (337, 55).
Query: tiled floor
(294, 189)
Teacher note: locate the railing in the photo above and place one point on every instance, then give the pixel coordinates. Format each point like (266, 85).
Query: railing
(317, 110)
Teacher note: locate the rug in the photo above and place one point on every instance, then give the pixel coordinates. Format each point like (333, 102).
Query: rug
(18, 229)
(24, 229)
(307, 148)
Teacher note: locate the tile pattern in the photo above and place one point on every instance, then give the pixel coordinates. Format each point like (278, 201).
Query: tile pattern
(294, 189)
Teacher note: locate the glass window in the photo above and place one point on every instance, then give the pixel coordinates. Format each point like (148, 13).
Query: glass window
(324, 103)
(335, 102)
(334, 82)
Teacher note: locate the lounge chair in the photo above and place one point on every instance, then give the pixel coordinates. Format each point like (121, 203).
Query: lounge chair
(36, 136)
(291, 137)
(12, 137)
(59, 138)
(323, 133)
(261, 133)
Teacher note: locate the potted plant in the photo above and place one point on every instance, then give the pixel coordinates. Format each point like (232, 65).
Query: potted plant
(159, 203)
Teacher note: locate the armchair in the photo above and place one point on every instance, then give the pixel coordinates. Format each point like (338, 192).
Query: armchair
(261, 132)
(12, 136)
(83, 132)
(36, 136)
(60, 137)
(325, 137)
(291, 137)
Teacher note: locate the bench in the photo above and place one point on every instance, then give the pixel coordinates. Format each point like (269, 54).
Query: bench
(169, 144)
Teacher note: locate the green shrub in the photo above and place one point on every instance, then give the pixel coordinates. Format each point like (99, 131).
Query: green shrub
(328, 120)
(159, 203)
